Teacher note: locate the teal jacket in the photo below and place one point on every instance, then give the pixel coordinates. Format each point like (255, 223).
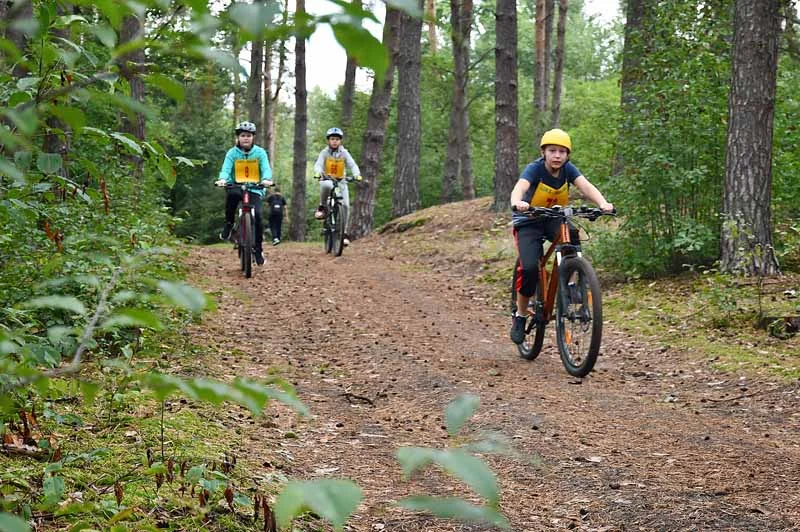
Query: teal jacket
(236, 154)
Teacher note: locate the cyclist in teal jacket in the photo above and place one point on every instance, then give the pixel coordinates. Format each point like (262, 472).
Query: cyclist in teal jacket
(245, 163)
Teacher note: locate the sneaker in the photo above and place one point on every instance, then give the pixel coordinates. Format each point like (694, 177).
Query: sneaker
(346, 240)
(225, 234)
(518, 329)
(276, 241)
(319, 214)
(259, 257)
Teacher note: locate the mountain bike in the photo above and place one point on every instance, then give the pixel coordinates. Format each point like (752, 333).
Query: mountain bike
(243, 233)
(333, 227)
(569, 293)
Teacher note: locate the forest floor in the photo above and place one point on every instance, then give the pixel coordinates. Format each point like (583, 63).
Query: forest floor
(378, 341)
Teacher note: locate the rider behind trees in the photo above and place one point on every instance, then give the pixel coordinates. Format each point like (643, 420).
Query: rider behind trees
(245, 163)
(543, 183)
(331, 163)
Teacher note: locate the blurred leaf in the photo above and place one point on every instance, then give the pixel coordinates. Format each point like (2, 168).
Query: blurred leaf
(131, 144)
(167, 170)
(471, 470)
(168, 86)
(223, 59)
(89, 391)
(69, 303)
(66, 20)
(23, 159)
(18, 98)
(95, 131)
(12, 523)
(104, 34)
(132, 317)
(413, 458)
(184, 296)
(185, 161)
(72, 116)
(454, 508)
(409, 6)
(368, 51)
(48, 163)
(332, 499)
(254, 18)
(53, 488)
(459, 410)
(7, 168)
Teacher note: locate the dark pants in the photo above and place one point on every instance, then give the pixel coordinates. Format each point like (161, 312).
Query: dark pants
(232, 202)
(529, 239)
(275, 222)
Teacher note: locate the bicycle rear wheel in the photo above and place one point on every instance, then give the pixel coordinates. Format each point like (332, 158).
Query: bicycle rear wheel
(247, 245)
(530, 348)
(579, 316)
(337, 233)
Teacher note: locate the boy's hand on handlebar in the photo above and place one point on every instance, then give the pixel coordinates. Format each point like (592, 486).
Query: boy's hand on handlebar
(220, 183)
(606, 207)
(266, 183)
(520, 206)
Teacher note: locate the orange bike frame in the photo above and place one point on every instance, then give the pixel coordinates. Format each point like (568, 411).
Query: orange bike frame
(549, 280)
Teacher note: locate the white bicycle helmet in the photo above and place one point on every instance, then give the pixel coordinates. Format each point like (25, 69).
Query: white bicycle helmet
(248, 127)
(334, 131)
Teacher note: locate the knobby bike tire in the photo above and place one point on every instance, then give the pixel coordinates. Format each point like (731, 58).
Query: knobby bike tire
(530, 348)
(339, 214)
(578, 360)
(328, 230)
(247, 245)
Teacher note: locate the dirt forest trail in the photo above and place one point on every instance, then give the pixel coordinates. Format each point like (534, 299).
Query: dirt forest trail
(376, 347)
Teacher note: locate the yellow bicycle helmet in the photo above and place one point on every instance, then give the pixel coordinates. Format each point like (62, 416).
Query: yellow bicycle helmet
(557, 137)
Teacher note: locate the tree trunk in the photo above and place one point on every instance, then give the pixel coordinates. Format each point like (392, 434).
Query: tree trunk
(631, 52)
(548, 47)
(297, 228)
(131, 65)
(275, 99)
(375, 134)
(430, 14)
(254, 90)
(539, 89)
(405, 195)
(746, 245)
(467, 179)
(558, 74)
(347, 92)
(269, 113)
(237, 87)
(53, 141)
(505, 91)
(12, 12)
(458, 138)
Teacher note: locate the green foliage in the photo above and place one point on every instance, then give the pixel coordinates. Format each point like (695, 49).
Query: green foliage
(460, 463)
(332, 499)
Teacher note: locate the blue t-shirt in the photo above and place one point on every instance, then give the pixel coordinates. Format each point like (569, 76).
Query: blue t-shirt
(546, 190)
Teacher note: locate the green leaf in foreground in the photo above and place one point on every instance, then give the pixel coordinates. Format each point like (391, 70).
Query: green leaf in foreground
(132, 317)
(48, 163)
(471, 470)
(368, 51)
(68, 303)
(459, 411)
(184, 295)
(12, 523)
(332, 499)
(454, 508)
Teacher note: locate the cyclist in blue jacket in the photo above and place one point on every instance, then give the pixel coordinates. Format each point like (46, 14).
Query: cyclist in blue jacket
(245, 163)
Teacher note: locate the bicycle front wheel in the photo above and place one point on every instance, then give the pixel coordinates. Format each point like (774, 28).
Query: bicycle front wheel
(339, 219)
(579, 316)
(327, 230)
(247, 245)
(530, 348)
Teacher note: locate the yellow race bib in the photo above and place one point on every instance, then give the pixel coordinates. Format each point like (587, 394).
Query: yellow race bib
(334, 167)
(548, 196)
(246, 171)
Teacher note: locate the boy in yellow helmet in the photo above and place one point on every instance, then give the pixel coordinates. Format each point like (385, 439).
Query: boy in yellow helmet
(544, 183)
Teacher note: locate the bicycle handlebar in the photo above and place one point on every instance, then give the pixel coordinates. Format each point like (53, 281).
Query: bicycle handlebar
(239, 185)
(324, 177)
(590, 213)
